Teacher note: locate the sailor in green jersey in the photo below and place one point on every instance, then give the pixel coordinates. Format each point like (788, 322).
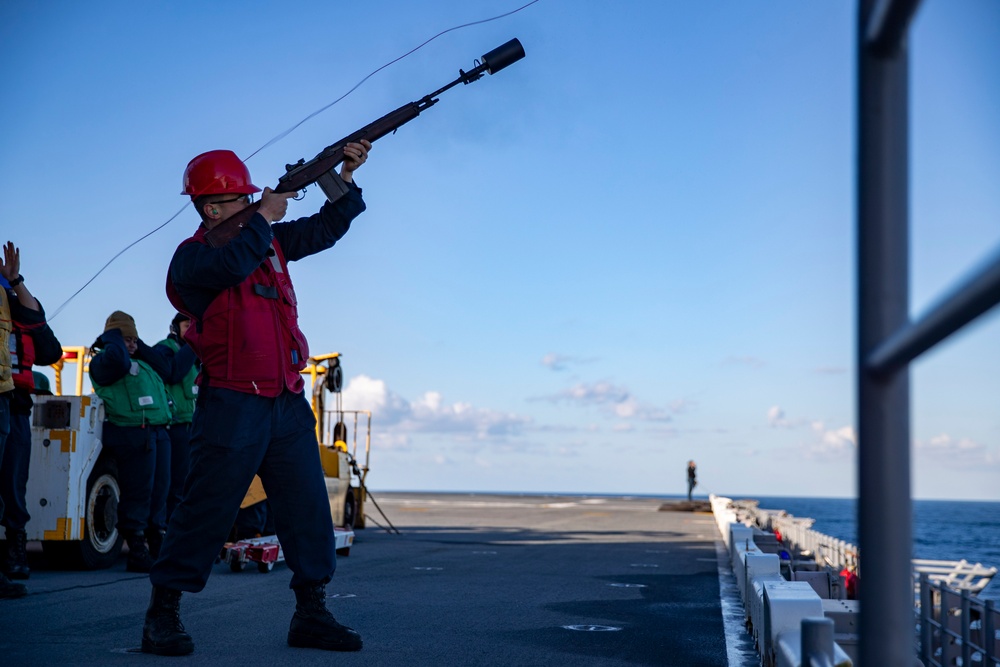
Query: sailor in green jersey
(128, 375)
(183, 391)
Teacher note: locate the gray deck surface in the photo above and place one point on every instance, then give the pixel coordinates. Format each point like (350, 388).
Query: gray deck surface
(474, 579)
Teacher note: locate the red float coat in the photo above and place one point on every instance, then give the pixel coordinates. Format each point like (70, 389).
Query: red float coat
(249, 339)
(22, 357)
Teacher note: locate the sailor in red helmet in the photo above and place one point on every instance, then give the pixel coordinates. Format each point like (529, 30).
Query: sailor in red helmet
(251, 415)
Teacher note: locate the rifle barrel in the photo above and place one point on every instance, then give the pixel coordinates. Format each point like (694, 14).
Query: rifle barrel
(303, 174)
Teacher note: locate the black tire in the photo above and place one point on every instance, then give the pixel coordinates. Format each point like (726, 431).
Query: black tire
(237, 565)
(350, 509)
(102, 543)
(264, 568)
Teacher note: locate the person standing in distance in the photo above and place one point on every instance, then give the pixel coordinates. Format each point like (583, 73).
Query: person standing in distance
(251, 414)
(692, 478)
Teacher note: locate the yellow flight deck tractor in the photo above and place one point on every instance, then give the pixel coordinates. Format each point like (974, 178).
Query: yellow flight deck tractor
(72, 492)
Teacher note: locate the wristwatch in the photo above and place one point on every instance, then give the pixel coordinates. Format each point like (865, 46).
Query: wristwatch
(17, 281)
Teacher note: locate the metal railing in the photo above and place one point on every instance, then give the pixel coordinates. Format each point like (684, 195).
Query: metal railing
(798, 536)
(887, 340)
(956, 628)
(948, 623)
(797, 533)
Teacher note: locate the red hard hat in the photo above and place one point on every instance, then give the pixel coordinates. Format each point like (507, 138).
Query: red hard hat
(216, 173)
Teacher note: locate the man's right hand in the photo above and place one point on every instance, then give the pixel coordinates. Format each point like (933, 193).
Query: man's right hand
(273, 205)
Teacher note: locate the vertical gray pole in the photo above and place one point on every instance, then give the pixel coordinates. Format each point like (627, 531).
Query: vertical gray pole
(884, 507)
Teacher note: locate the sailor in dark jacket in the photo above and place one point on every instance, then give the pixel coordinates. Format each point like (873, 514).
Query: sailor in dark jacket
(251, 416)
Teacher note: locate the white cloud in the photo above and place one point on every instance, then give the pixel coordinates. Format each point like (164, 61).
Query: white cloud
(959, 453)
(560, 362)
(941, 450)
(776, 417)
(833, 443)
(616, 401)
(824, 443)
(398, 419)
(365, 393)
(430, 414)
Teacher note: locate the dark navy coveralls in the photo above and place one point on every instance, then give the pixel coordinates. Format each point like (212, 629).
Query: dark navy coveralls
(180, 432)
(235, 435)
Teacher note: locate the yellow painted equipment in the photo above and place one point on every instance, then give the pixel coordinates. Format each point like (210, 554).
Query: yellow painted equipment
(338, 458)
(73, 492)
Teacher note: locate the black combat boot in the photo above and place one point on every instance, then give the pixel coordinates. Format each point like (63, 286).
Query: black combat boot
(154, 538)
(8, 589)
(163, 633)
(313, 626)
(139, 559)
(17, 555)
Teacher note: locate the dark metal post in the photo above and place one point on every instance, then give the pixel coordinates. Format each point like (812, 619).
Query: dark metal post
(926, 616)
(989, 634)
(966, 628)
(884, 507)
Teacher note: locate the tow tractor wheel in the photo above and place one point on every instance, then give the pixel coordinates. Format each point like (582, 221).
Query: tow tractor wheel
(264, 568)
(102, 543)
(350, 509)
(236, 565)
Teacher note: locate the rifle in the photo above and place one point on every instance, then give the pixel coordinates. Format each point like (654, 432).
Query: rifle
(322, 168)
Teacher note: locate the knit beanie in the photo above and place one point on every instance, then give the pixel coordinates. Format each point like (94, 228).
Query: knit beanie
(123, 321)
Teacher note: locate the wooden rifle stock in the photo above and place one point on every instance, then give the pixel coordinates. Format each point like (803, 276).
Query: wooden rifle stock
(301, 174)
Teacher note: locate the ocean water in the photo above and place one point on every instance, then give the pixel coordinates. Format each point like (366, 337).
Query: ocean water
(942, 529)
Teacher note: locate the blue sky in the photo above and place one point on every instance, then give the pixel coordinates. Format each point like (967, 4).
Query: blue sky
(632, 248)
